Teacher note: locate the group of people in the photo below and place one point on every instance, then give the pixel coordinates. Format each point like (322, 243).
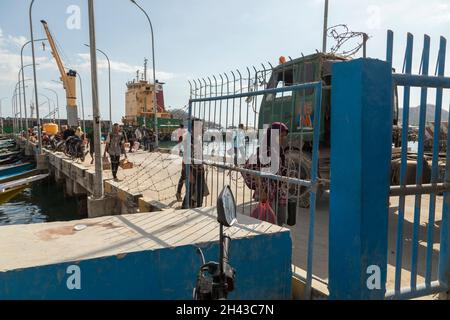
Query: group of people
(271, 195)
(120, 136)
(138, 137)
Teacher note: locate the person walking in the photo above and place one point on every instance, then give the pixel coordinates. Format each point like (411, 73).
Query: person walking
(198, 187)
(238, 145)
(90, 137)
(145, 138)
(115, 147)
(151, 141)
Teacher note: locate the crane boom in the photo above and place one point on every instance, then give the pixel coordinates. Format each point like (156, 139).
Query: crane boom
(68, 79)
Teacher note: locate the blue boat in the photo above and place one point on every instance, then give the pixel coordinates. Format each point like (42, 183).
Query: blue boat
(7, 154)
(14, 169)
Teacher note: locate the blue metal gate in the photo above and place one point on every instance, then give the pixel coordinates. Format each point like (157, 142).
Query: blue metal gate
(226, 104)
(430, 184)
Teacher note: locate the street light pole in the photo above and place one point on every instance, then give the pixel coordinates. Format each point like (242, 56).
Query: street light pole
(20, 97)
(98, 177)
(17, 95)
(20, 102)
(57, 106)
(48, 102)
(82, 102)
(1, 114)
(109, 86)
(39, 151)
(154, 72)
(23, 82)
(13, 107)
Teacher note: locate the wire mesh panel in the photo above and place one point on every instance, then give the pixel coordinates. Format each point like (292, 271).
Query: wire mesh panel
(259, 132)
(419, 190)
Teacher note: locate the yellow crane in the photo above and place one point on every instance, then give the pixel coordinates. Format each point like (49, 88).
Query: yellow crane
(68, 78)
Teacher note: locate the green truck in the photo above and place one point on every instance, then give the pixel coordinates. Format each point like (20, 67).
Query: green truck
(296, 110)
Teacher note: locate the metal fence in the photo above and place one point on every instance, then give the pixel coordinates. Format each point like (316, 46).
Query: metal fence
(423, 183)
(237, 109)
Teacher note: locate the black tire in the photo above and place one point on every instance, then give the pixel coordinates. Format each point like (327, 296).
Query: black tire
(67, 151)
(82, 154)
(303, 160)
(60, 147)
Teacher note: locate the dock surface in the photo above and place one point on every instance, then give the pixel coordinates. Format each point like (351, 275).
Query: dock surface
(140, 256)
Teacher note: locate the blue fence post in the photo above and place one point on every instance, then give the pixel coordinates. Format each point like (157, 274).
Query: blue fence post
(361, 139)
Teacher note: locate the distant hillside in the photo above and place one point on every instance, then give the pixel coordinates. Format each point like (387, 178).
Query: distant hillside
(414, 115)
(183, 115)
(179, 114)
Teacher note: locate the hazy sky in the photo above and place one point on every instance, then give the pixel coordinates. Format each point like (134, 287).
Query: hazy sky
(198, 38)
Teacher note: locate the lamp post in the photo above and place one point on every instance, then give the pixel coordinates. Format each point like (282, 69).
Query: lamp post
(13, 107)
(23, 81)
(59, 82)
(154, 72)
(82, 102)
(57, 106)
(39, 151)
(109, 84)
(20, 98)
(48, 102)
(1, 113)
(17, 95)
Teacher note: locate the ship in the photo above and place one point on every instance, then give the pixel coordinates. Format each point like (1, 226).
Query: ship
(139, 109)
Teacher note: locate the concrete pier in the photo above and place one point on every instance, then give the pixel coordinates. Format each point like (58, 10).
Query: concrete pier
(149, 186)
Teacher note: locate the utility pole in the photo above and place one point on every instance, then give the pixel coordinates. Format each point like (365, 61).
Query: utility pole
(82, 102)
(23, 84)
(98, 178)
(325, 28)
(1, 113)
(39, 151)
(365, 38)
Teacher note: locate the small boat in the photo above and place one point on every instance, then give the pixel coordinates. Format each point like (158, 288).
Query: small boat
(20, 175)
(9, 190)
(15, 168)
(7, 143)
(7, 154)
(10, 194)
(9, 160)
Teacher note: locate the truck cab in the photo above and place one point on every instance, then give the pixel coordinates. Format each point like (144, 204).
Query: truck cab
(296, 109)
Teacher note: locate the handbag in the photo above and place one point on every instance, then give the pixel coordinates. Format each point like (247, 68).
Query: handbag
(106, 162)
(264, 212)
(125, 164)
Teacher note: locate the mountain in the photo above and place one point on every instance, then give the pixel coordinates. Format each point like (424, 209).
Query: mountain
(414, 115)
(183, 115)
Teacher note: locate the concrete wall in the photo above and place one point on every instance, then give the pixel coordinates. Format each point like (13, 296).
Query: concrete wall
(263, 265)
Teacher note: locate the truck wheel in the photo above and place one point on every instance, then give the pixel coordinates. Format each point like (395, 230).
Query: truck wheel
(299, 166)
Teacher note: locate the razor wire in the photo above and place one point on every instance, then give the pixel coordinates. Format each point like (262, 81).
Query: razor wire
(343, 36)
